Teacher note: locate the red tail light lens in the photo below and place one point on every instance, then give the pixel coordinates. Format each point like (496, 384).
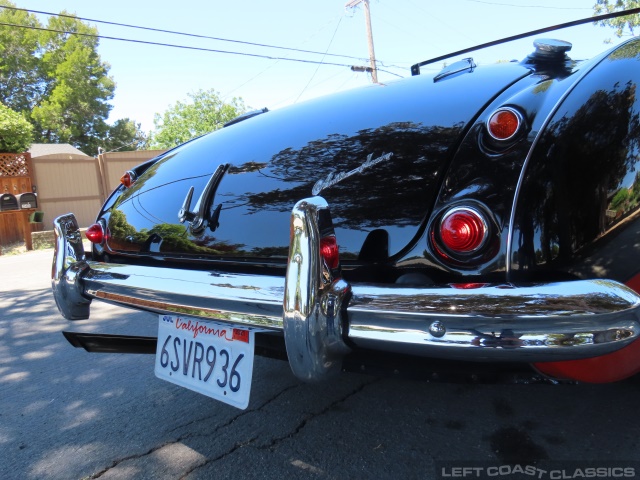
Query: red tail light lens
(468, 286)
(463, 230)
(95, 233)
(128, 179)
(329, 251)
(504, 123)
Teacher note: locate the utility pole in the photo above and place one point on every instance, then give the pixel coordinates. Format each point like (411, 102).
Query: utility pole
(367, 18)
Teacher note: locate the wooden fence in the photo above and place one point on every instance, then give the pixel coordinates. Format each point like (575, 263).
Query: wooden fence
(68, 183)
(114, 164)
(64, 183)
(80, 184)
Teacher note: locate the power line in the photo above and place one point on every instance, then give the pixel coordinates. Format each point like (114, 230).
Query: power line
(318, 67)
(390, 73)
(528, 6)
(194, 36)
(227, 94)
(185, 47)
(430, 14)
(351, 77)
(173, 32)
(320, 82)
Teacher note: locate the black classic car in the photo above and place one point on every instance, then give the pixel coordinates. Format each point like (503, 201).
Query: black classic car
(479, 218)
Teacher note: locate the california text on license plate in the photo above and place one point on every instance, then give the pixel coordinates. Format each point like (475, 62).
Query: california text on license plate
(207, 357)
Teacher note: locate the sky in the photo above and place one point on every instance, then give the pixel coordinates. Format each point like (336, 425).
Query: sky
(151, 78)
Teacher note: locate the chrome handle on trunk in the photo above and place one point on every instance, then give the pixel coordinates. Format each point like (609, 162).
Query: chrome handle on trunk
(201, 217)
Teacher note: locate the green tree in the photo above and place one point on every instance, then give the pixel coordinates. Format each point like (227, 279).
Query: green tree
(21, 79)
(125, 135)
(619, 199)
(75, 105)
(620, 24)
(183, 121)
(16, 132)
(57, 79)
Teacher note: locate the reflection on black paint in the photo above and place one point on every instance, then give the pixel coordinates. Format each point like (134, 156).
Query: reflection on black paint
(171, 238)
(246, 168)
(276, 159)
(258, 196)
(582, 182)
(369, 199)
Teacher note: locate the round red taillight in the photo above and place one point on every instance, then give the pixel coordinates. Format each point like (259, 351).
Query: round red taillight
(504, 123)
(95, 233)
(463, 230)
(329, 251)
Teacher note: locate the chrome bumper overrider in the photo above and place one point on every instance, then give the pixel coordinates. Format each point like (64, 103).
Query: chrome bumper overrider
(322, 318)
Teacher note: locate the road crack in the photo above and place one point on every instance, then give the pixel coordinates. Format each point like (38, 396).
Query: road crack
(189, 435)
(309, 417)
(235, 447)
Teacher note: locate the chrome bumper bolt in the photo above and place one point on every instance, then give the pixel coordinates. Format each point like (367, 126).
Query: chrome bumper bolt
(437, 329)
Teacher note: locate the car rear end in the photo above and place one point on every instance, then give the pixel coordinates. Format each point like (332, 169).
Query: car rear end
(393, 219)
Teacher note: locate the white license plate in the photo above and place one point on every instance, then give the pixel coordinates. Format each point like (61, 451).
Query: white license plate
(207, 357)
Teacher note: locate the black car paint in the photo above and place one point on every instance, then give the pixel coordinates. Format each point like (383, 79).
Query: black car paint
(441, 157)
(288, 151)
(591, 146)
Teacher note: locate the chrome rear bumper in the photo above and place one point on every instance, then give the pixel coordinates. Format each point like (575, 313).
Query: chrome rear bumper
(322, 318)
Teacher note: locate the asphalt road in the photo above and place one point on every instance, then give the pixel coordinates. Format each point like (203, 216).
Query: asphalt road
(68, 414)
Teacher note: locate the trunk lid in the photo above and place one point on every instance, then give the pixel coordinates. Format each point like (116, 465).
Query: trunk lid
(377, 156)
